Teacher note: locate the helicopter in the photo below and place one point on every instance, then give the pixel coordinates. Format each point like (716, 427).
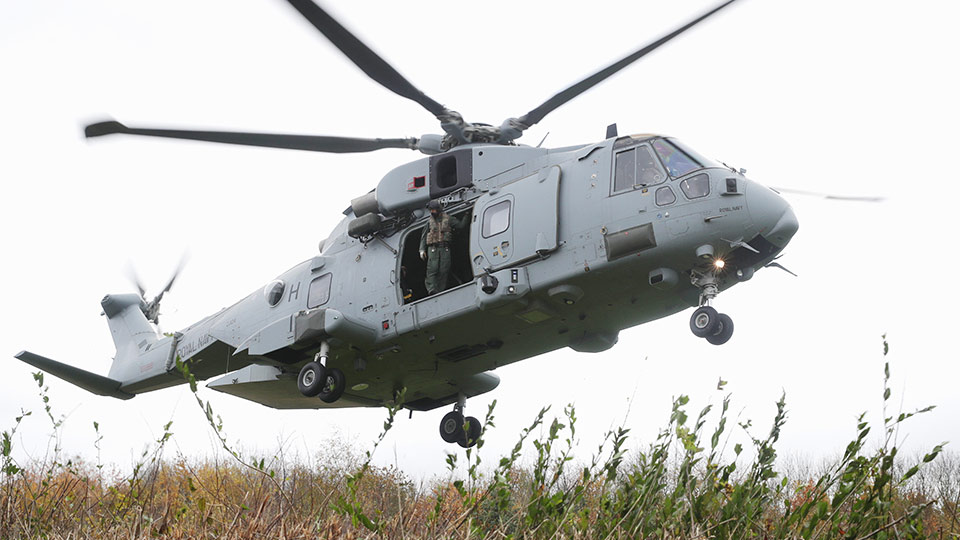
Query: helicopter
(564, 247)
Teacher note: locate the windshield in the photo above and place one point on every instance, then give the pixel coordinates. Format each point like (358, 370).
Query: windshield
(680, 159)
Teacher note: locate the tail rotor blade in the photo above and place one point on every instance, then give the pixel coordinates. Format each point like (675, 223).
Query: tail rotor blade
(151, 309)
(176, 273)
(135, 280)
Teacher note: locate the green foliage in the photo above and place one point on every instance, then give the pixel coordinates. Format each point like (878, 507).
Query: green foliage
(684, 484)
(348, 505)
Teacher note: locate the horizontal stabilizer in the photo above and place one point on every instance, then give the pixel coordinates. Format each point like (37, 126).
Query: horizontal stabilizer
(91, 382)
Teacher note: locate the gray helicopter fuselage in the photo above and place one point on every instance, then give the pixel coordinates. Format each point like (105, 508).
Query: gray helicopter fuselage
(552, 248)
(565, 248)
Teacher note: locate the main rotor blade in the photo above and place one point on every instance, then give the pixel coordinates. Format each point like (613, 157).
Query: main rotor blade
(831, 196)
(575, 90)
(312, 143)
(373, 65)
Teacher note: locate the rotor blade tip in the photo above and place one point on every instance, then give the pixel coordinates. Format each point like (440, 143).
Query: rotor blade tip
(104, 128)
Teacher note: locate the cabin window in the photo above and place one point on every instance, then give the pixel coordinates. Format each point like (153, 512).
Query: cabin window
(319, 293)
(273, 292)
(496, 218)
(696, 186)
(665, 196)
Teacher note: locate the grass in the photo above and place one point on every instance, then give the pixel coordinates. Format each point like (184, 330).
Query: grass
(682, 485)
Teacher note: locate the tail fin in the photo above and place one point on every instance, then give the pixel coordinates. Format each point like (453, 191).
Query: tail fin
(131, 331)
(141, 354)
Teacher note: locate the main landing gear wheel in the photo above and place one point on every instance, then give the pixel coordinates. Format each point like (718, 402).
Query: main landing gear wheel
(311, 379)
(469, 432)
(451, 426)
(704, 321)
(724, 331)
(333, 386)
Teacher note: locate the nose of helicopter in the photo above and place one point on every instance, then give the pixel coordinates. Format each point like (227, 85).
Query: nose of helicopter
(772, 214)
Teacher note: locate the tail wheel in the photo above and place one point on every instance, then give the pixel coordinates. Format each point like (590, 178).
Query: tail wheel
(451, 427)
(334, 384)
(469, 433)
(311, 379)
(704, 321)
(724, 331)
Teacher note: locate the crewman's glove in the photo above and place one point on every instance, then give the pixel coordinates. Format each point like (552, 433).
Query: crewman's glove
(423, 254)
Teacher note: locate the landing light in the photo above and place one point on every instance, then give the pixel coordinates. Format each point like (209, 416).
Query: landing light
(718, 264)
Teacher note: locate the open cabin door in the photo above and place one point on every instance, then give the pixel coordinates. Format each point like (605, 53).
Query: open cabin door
(515, 222)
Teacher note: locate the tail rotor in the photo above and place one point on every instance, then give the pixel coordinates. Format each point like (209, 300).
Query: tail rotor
(151, 308)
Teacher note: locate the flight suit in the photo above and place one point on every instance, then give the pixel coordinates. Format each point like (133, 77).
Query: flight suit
(436, 242)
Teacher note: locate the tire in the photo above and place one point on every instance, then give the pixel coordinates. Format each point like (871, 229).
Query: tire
(704, 321)
(469, 435)
(334, 384)
(451, 427)
(724, 332)
(311, 379)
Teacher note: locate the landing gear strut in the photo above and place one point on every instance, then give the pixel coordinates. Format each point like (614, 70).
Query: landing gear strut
(706, 322)
(455, 428)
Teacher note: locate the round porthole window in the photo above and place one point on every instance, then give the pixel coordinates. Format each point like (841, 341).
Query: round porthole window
(273, 292)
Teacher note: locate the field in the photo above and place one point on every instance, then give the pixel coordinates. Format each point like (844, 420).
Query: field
(684, 484)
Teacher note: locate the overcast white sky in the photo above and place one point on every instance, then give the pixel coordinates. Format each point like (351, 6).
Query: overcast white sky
(853, 97)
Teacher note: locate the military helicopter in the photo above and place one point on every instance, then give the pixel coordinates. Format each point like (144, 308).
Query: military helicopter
(561, 247)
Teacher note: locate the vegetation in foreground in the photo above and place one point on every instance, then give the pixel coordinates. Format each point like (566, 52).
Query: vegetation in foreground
(682, 485)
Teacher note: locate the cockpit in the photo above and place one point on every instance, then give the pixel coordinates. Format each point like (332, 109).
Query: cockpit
(680, 159)
(646, 161)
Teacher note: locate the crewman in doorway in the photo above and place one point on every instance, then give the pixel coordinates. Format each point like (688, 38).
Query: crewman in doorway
(435, 246)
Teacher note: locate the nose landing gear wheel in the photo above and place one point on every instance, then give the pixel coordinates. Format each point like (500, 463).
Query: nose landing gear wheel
(704, 321)
(451, 426)
(724, 331)
(334, 384)
(311, 379)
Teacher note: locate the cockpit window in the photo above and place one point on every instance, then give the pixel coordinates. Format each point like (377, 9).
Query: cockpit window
(696, 186)
(698, 157)
(665, 196)
(677, 162)
(637, 167)
(648, 169)
(626, 174)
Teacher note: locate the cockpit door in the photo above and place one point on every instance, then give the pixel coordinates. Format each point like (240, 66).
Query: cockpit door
(515, 222)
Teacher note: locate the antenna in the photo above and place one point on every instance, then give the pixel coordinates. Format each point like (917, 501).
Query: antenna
(543, 139)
